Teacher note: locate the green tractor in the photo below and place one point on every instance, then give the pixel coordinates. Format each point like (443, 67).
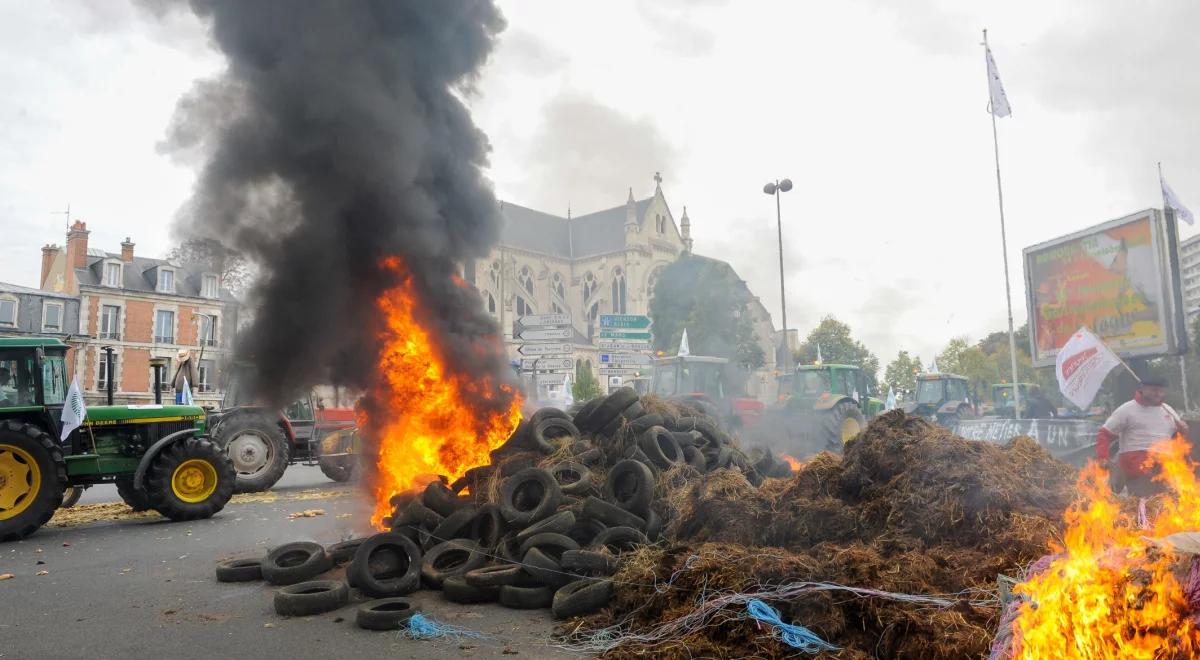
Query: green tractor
(942, 398)
(827, 404)
(157, 455)
(1002, 399)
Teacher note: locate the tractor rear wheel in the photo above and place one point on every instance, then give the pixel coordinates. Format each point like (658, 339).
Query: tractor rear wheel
(32, 477)
(338, 468)
(258, 449)
(189, 480)
(840, 424)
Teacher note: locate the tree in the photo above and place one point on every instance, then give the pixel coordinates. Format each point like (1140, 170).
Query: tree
(706, 297)
(837, 346)
(236, 273)
(585, 387)
(901, 373)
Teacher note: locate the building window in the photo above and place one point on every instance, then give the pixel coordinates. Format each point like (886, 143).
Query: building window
(8, 312)
(618, 292)
(166, 281)
(523, 308)
(494, 273)
(102, 371)
(589, 286)
(554, 307)
(112, 275)
(209, 286)
(526, 280)
(559, 288)
(491, 302)
(204, 374)
(110, 322)
(164, 327)
(52, 317)
(660, 223)
(208, 330)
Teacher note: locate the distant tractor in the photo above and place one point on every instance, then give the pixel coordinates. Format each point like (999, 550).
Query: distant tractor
(157, 455)
(1002, 399)
(826, 405)
(941, 398)
(705, 381)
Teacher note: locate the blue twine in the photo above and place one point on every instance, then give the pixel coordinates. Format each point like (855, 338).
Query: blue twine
(423, 627)
(795, 636)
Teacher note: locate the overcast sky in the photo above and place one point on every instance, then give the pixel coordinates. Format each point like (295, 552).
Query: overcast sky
(877, 113)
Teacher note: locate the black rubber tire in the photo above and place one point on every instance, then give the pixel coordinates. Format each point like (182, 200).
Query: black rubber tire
(134, 498)
(591, 457)
(619, 539)
(161, 494)
(582, 418)
(314, 597)
(240, 570)
(581, 597)
(385, 613)
(509, 549)
(455, 526)
(549, 412)
(337, 468)
(695, 459)
(526, 598)
(295, 562)
(515, 503)
(707, 428)
(687, 438)
(646, 422)
(573, 478)
(558, 523)
(456, 589)
(653, 525)
(829, 430)
(588, 562)
(453, 557)
(585, 529)
(612, 406)
(551, 432)
(630, 485)
(386, 565)
(497, 575)
(267, 429)
(50, 467)
(487, 526)
(438, 497)
(545, 569)
(343, 552)
(71, 495)
(621, 421)
(610, 514)
(550, 543)
(417, 514)
(661, 447)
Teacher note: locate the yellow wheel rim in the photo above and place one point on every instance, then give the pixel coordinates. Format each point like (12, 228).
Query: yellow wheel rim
(194, 480)
(850, 428)
(20, 481)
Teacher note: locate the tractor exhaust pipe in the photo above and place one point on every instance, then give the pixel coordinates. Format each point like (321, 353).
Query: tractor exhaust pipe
(108, 376)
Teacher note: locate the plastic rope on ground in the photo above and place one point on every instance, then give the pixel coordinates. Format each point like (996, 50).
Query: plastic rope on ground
(423, 627)
(795, 636)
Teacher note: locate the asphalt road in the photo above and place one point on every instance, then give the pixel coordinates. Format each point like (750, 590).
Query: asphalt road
(144, 587)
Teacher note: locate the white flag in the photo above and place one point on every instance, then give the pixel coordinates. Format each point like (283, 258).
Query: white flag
(891, 400)
(74, 410)
(683, 345)
(1081, 366)
(187, 394)
(1000, 106)
(568, 393)
(819, 360)
(1172, 202)
(933, 367)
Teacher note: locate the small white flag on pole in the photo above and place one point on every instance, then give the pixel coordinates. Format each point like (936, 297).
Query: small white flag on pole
(568, 393)
(187, 399)
(1081, 366)
(1172, 202)
(891, 400)
(683, 345)
(74, 410)
(820, 360)
(933, 367)
(999, 106)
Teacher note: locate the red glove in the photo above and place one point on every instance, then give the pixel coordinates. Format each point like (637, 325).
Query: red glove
(1103, 439)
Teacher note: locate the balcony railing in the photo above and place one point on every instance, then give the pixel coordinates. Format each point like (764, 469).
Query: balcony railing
(111, 335)
(211, 343)
(164, 339)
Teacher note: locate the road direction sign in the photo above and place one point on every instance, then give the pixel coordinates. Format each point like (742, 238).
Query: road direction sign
(624, 358)
(628, 345)
(551, 379)
(534, 334)
(544, 349)
(547, 363)
(608, 333)
(532, 320)
(606, 371)
(628, 321)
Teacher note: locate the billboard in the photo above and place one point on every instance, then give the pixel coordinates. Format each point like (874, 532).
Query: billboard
(1119, 278)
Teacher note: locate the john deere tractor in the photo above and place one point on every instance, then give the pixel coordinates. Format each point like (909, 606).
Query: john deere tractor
(942, 398)
(158, 456)
(826, 405)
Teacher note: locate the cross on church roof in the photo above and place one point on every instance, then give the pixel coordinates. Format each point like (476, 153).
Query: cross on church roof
(657, 179)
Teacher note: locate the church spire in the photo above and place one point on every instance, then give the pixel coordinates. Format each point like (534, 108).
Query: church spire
(631, 219)
(685, 231)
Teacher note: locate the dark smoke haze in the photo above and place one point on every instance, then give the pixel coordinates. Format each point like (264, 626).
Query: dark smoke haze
(336, 137)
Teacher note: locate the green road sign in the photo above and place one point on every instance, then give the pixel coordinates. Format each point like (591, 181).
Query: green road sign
(631, 321)
(623, 334)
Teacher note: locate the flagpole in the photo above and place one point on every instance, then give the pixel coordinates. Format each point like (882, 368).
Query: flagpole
(1170, 213)
(1012, 338)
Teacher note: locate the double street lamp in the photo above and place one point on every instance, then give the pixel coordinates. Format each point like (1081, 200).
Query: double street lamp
(776, 188)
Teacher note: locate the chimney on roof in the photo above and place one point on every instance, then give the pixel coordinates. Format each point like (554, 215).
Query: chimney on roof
(77, 245)
(50, 252)
(127, 251)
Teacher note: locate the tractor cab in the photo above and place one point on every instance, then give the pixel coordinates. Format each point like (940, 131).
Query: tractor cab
(813, 385)
(706, 380)
(941, 398)
(1002, 398)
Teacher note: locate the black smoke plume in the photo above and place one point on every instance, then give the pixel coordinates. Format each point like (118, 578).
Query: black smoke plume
(335, 137)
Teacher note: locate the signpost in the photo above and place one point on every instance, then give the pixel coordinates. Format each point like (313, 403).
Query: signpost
(550, 359)
(547, 364)
(551, 379)
(544, 349)
(625, 321)
(630, 345)
(625, 334)
(609, 371)
(551, 320)
(624, 358)
(539, 334)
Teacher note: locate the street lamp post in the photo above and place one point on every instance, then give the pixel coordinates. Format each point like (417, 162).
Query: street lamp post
(776, 188)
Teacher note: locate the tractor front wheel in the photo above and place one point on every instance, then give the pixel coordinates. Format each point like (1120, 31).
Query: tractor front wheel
(189, 480)
(32, 477)
(840, 424)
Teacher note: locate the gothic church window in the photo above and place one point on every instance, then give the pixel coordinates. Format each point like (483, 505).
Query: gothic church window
(526, 279)
(618, 292)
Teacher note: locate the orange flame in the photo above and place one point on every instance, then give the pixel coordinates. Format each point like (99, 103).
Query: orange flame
(430, 421)
(793, 462)
(1112, 592)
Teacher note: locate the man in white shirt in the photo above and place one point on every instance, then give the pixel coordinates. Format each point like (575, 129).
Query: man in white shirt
(1137, 426)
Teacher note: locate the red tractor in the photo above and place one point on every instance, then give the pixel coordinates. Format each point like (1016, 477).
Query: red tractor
(706, 381)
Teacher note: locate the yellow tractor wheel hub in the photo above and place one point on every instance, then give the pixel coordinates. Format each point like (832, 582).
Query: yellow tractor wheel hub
(20, 481)
(194, 480)
(850, 428)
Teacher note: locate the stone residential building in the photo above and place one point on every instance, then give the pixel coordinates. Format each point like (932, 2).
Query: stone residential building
(33, 312)
(143, 308)
(604, 262)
